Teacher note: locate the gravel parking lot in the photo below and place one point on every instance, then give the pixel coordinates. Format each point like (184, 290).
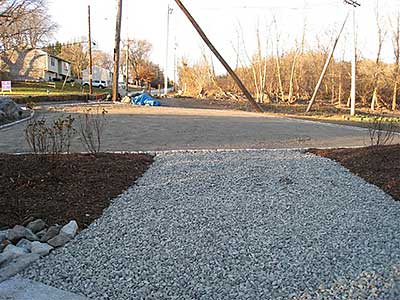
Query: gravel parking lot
(237, 225)
(132, 128)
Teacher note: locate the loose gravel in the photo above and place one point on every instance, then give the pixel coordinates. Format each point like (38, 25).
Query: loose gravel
(237, 225)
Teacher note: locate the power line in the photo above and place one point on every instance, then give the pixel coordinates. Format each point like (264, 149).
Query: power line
(306, 7)
(352, 3)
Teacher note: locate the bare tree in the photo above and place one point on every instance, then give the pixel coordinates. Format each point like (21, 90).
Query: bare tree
(102, 59)
(77, 55)
(278, 62)
(378, 69)
(24, 24)
(395, 26)
(139, 57)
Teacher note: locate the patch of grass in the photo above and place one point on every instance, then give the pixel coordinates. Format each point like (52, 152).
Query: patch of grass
(45, 88)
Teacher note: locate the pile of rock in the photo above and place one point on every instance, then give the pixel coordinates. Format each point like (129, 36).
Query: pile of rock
(22, 245)
(9, 110)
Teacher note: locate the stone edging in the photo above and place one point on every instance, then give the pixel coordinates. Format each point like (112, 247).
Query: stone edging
(193, 151)
(22, 245)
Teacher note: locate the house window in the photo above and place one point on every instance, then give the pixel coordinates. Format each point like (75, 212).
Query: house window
(52, 62)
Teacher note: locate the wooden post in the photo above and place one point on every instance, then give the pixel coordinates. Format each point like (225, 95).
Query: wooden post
(321, 78)
(116, 52)
(90, 55)
(256, 106)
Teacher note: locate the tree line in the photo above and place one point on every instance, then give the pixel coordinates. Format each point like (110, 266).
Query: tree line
(277, 76)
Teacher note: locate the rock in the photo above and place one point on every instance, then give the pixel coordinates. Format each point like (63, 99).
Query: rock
(67, 233)
(5, 258)
(16, 266)
(16, 250)
(41, 233)
(70, 229)
(27, 220)
(50, 233)
(3, 235)
(19, 232)
(9, 109)
(126, 99)
(41, 248)
(25, 244)
(59, 240)
(4, 244)
(37, 225)
(18, 288)
(3, 116)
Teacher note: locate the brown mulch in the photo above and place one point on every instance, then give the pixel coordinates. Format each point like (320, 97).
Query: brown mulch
(377, 165)
(64, 187)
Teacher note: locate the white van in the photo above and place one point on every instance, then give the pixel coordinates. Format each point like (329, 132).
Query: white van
(101, 84)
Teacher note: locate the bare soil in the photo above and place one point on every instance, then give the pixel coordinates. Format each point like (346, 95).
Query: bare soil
(379, 165)
(64, 187)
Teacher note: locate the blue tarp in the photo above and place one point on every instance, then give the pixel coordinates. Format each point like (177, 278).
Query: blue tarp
(145, 99)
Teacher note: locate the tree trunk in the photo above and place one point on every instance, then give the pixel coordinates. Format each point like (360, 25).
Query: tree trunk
(394, 100)
(292, 78)
(278, 70)
(374, 100)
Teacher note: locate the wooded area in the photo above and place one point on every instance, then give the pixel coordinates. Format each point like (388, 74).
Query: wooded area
(276, 75)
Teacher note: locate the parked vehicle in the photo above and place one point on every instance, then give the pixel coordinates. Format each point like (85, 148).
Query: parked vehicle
(101, 84)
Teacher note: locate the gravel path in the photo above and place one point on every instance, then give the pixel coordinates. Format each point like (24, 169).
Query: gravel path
(237, 225)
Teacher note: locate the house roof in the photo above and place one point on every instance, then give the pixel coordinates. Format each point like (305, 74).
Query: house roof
(55, 56)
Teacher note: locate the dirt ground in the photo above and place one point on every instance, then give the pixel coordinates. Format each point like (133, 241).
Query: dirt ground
(196, 126)
(58, 189)
(377, 165)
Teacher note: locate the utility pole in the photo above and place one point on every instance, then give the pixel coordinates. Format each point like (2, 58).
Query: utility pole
(245, 91)
(354, 5)
(328, 60)
(90, 55)
(117, 52)
(127, 68)
(170, 10)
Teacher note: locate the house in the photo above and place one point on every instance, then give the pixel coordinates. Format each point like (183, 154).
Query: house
(35, 64)
(99, 74)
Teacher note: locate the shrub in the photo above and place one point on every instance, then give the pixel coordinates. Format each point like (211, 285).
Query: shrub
(91, 128)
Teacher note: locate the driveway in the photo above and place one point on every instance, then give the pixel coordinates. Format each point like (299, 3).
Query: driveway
(169, 128)
(236, 225)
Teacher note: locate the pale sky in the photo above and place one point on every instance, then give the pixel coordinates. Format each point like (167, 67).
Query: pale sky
(221, 20)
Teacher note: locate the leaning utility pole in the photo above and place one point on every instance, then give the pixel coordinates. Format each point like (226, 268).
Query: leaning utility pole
(90, 55)
(328, 60)
(116, 52)
(354, 5)
(256, 106)
(170, 10)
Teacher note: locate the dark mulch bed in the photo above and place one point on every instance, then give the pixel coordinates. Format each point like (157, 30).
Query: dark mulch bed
(64, 187)
(377, 165)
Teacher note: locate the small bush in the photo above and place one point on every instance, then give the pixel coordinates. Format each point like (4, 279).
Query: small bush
(36, 135)
(382, 130)
(91, 128)
(53, 139)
